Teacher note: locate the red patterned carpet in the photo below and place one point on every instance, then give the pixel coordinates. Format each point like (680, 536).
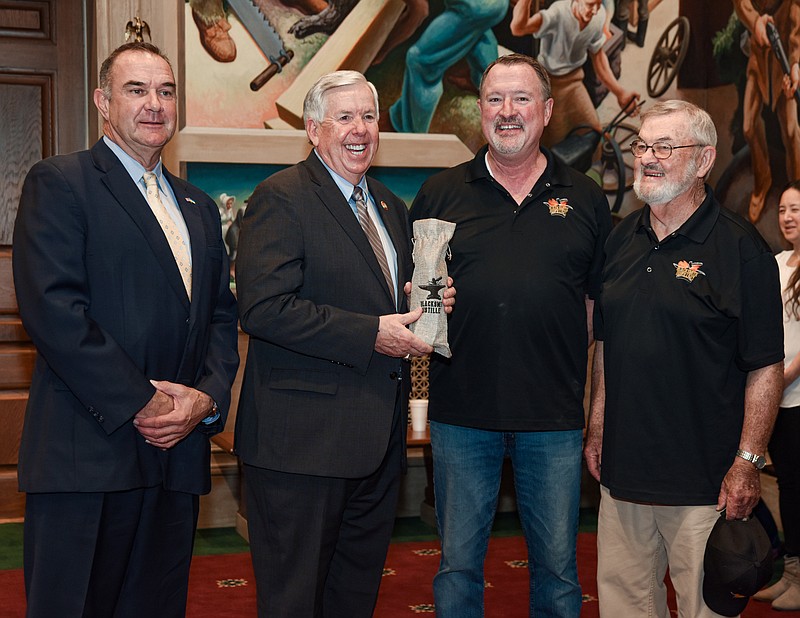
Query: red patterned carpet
(222, 586)
(406, 589)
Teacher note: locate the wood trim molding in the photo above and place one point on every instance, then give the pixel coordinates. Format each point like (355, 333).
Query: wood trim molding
(43, 80)
(289, 146)
(27, 20)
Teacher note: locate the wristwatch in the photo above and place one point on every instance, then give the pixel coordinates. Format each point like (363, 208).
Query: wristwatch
(757, 460)
(213, 414)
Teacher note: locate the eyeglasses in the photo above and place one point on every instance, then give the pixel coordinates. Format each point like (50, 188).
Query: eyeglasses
(661, 150)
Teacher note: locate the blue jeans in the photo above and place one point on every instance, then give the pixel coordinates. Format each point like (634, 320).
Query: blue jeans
(462, 30)
(467, 465)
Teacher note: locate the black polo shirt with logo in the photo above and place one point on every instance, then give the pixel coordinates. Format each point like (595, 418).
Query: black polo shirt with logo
(683, 322)
(518, 331)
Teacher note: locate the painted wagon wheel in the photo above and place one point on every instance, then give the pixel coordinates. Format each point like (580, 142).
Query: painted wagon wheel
(624, 133)
(612, 174)
(613, 171)
(617, 151)
(667, 57)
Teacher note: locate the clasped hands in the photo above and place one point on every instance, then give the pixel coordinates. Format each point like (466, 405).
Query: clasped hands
(171, 414)
(394, 339)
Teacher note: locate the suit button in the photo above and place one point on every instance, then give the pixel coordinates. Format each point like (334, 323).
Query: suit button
(394, 375)
(100, 418)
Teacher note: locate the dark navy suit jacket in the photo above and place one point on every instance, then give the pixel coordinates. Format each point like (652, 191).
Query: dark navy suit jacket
(102, 299)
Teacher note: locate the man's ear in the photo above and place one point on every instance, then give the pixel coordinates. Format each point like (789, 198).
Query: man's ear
(548, 111)
(312, 130)
(707, 158)
(101, 102)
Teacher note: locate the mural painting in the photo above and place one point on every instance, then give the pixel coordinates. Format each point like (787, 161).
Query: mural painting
(758, 52)
(426, 56)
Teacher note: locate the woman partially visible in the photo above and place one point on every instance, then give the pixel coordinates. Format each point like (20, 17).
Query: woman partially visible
(784, 446)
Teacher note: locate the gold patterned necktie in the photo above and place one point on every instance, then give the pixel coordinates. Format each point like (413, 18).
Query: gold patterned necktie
(176, 243)
(368, 225)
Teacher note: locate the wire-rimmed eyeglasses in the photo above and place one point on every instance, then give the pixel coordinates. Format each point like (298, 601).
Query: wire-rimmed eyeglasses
(661, 150)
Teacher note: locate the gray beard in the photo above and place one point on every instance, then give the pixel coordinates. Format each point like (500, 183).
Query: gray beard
(668, 190)
(507, 147)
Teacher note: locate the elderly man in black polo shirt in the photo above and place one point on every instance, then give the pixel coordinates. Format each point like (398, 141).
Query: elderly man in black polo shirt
(687, 375)
(527, 253)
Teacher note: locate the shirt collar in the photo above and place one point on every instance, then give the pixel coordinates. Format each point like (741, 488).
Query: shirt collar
(345, 186)
(697, 227)
(556, 173)
(132, 166)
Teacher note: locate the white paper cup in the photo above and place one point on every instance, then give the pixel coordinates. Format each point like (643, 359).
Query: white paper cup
(419, 414)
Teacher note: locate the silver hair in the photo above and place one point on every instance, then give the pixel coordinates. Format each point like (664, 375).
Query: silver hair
(314, 103)
(699, 123)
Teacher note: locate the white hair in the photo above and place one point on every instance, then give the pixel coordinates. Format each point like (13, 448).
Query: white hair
(314, 103)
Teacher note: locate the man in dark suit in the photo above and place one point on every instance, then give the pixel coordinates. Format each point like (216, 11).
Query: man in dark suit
(322, 414)
(136, 357)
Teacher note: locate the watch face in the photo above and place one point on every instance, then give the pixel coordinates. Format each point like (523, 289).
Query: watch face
(759, 461)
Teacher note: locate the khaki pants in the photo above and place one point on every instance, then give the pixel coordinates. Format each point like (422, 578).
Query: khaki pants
(635, 545)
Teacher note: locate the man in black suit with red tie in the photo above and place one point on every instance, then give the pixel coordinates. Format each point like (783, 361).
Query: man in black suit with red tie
(123, 285)
(323, 255)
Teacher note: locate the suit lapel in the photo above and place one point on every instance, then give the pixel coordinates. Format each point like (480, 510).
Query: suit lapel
(330, 195)
(119, 183)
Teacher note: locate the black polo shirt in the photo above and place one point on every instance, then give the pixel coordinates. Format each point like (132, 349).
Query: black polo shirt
(518, 331)
(683, 321)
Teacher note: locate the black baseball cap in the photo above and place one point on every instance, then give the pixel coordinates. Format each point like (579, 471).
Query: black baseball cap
(737, 564)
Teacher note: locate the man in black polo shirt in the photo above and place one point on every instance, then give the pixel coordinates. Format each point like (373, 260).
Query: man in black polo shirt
(688, 371)
(527, 254)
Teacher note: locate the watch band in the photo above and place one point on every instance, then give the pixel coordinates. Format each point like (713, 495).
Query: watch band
(213, 414)
(757, 460)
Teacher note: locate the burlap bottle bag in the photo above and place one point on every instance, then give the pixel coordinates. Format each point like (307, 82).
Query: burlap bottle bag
(430, 278)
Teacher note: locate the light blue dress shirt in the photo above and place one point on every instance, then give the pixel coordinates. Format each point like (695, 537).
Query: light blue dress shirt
(346, 187)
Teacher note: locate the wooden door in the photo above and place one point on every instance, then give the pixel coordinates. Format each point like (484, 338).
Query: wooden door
(43, 111)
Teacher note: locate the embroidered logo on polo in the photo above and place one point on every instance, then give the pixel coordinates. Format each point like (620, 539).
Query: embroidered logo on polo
(687, 270)
(558, 206)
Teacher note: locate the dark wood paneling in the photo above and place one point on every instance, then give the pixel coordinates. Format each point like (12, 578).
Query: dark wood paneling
(12, 414)
(17, 358)
(43, 96)
(12, 502)
(29, 20)
(43, 111)
(57, 48)
(11, 329)
(16, 366)
(8, 298)
(26, 108)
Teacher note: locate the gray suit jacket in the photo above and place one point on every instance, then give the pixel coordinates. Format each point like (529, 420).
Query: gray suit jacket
(316, 398)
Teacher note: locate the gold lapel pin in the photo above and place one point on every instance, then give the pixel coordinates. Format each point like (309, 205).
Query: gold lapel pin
(190, 200)
(384, 206)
